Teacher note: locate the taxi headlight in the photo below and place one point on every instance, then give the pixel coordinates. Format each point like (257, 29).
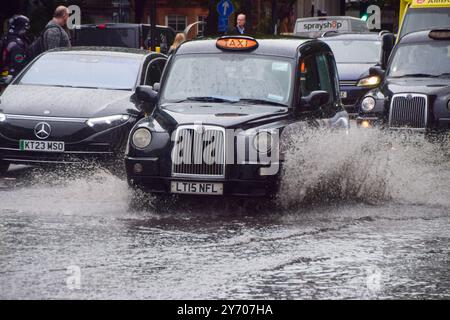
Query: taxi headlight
(371, 81)
(108, 121)
(368, 104)
(142, 138)
(263, 142)
(2, 117)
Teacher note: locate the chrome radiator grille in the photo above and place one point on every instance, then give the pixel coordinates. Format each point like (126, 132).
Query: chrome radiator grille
(408, 111)
(199, 151)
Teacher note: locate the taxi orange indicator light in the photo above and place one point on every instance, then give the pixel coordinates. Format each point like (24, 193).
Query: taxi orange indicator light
(238, 43)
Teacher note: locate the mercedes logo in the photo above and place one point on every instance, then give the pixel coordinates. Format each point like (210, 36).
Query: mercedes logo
(42, 130)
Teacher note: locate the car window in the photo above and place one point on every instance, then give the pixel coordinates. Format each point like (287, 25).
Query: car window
(324, 71)
(355, 51)
(84, 71)
(154, 71)
(309, 76)
(231, 76)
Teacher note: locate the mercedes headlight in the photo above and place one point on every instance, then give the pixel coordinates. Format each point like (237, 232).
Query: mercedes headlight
(262, 142)
(110, 121)
(368, 104)
(371, 81)
(142, 138)
(2, 117)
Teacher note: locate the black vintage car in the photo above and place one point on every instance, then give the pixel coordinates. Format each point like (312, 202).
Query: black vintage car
(355, 54)
(221, 110)
(74, 104)
(415, 92)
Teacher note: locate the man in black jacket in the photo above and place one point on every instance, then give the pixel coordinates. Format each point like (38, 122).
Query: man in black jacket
(240, 28)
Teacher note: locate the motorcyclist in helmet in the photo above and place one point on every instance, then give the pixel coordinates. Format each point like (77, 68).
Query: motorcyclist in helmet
(14, 51)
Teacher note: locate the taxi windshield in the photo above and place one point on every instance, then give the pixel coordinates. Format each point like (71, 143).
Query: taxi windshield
(418, 19)
(431, 59)
(355, 51)
(230, 77)
(83, 71)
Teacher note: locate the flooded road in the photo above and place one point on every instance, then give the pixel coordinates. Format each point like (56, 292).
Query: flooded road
(354, 221)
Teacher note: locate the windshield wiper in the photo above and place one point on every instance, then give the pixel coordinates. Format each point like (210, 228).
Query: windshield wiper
(416, 75)
(211, 99)
(262, 101)
(445, 74)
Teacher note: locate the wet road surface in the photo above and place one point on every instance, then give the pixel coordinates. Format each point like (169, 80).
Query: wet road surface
(374, 224)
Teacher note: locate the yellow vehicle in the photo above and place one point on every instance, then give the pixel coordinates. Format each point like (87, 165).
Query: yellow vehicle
(417, 15)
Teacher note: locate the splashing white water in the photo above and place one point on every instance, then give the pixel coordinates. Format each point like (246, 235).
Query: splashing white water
(365, 165)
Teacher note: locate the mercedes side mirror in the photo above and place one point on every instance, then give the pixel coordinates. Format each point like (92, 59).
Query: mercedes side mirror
(148, 96)
(314, 100)
(388, 43)
(7, 80)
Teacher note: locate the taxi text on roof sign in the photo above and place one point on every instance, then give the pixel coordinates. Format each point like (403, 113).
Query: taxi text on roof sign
(237, 43)
(430, 3)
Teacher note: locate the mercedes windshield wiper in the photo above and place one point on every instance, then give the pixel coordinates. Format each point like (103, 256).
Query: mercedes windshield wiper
(262, 101)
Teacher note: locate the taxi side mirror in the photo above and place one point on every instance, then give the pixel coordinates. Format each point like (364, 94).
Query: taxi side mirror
(378, 72)
(148, 96)
(314, 100)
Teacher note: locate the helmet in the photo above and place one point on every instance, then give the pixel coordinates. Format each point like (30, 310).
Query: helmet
(19, 25)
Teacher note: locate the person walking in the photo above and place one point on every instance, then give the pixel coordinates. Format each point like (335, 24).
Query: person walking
(55, 36)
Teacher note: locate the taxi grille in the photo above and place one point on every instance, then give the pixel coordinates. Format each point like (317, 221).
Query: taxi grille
(199, 151)
(408, 111)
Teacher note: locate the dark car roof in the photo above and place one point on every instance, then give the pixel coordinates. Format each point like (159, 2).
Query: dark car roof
(418, 36)
(119, 25)
(105, 50)
(369, 36)
(276, 47)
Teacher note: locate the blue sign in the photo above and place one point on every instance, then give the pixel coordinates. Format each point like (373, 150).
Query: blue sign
(225, 9)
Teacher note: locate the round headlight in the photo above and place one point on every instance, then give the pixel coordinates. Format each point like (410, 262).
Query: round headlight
(448, 105)
(2, 117)
(368, 104)
(142, 138)
(263, 142)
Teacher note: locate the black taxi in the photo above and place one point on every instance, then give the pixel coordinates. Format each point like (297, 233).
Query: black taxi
(415, 92)
(216, 121)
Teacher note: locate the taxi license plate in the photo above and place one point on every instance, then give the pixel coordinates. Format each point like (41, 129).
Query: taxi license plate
(41, 146)
(344, 94)
(205, 188)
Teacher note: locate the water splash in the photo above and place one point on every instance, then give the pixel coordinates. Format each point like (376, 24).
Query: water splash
(369, 166)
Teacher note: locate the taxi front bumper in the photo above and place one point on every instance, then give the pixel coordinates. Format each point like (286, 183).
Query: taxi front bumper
(246, 183)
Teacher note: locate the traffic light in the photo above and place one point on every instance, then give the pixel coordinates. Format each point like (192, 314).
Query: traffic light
(363, 6)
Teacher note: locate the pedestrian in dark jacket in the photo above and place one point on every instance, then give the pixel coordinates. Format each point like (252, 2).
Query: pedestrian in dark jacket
(240, 28)
(55, 36)
(14, 52)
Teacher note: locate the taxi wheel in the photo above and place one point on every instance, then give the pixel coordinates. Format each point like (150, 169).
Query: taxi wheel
(4, 166)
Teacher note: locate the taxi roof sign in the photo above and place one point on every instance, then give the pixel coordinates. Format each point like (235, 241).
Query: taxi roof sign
(439, 34)
(237, 43)
(430, 3)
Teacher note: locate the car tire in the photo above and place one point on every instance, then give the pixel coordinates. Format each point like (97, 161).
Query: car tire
(4, 166)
